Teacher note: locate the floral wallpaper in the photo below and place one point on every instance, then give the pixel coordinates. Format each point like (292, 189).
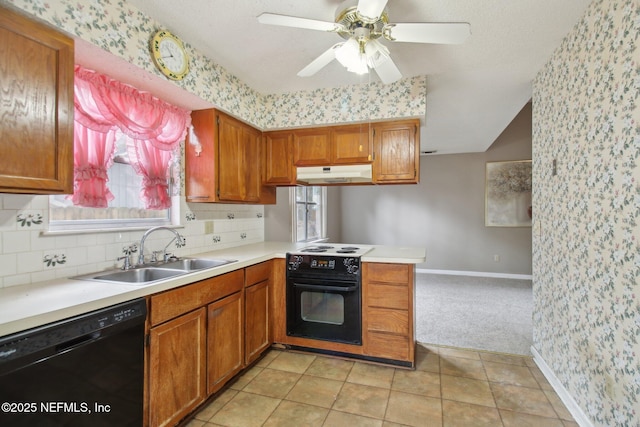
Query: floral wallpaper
(124, 31)
(586, 233)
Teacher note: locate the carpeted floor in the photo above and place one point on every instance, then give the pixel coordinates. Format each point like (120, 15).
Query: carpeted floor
(480, 313)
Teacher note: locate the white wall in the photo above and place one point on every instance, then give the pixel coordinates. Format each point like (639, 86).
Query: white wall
(445, 211)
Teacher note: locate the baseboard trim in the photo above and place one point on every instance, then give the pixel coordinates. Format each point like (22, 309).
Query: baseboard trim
(562, 392)
(476, 274)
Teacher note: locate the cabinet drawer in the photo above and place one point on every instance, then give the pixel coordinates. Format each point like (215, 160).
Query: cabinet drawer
(389, 273)
(389, 296)
(388, 346)
(258, 273)
(175, 302)
(388, 320)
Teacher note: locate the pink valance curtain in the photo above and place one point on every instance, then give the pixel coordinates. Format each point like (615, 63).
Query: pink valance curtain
(155, 129)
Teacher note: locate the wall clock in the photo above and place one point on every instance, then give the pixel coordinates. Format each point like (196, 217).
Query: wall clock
(169, 55)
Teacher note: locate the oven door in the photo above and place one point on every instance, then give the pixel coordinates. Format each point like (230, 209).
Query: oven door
(327, 310)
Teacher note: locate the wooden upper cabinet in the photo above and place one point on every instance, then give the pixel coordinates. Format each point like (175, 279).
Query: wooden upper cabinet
(278, 158)
(227, 166)
(336, 145)
(312, 147)
(201, 154)
(36, 106)
(351, 144)
(397, 152)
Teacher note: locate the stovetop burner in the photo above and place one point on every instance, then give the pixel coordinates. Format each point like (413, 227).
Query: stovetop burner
(338, 249)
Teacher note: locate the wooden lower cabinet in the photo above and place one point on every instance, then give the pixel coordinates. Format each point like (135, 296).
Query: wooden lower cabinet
(201, 335)
(257, 320)
(225, 340)
(177, 357)
(388, 321)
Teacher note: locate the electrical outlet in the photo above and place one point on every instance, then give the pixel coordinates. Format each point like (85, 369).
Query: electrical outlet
(496, 258)
(208, 227)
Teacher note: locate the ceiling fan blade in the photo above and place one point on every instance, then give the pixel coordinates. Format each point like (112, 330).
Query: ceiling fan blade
(295, 22)
(388, 72)
(428, 32)
(371, 9)
(320, 62)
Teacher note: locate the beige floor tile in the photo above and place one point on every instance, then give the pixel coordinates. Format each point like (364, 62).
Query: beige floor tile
(292, 362)
(342, 419)
(430, 348)
(272, 383)
(539, 376)
(245, 378)
(522, 399)
(417, 382)
(511, 359)
(210, 410)
(315, 391)
(517, 419)
(196, 423)
(268, 357)
(458, 352)
(293, 414)
(510, 374)
(427, 361)
(328, 367)
(570, 423)
(369, 374)
(460, 414)
(558, 405)
(246, 410)
(413, 410)
(390, 424)
(467, 390)
(460, 367)
(362, 400)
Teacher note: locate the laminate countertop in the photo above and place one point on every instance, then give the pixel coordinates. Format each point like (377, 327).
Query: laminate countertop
(27, 306)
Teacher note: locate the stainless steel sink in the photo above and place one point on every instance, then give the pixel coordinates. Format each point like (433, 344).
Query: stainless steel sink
(152, 273)
(138, 275)
(194, 264)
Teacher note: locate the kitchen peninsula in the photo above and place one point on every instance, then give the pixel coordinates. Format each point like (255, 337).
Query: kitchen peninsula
(220, 320)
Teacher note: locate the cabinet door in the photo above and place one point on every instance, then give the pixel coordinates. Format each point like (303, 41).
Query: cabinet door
(312, 147)
(36, 106)
(256, 320)
(231, 176)
(251, 159)
(200, 160)
(278, 159)
(351, 144)
(397, 152)
(225, 343)
(177, 363)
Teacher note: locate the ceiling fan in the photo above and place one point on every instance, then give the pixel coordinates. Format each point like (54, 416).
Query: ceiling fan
(362, 23)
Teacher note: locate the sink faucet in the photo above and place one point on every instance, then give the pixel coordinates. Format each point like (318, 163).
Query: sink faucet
(177, 238)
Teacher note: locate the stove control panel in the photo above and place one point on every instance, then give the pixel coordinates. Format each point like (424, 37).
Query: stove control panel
(319, 264)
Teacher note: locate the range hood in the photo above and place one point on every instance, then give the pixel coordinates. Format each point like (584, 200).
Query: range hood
(341, 174)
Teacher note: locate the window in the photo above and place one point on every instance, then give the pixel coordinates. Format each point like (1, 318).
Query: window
(309, 213)
(126, 145)
(126, 210)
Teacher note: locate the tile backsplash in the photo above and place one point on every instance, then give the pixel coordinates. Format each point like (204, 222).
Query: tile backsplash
(28, 254)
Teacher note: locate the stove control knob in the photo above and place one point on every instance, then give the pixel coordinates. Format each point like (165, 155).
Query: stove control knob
(294, 262)
(352, 265)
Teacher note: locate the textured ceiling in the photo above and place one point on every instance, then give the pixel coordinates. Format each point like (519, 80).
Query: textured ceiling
(474, 90)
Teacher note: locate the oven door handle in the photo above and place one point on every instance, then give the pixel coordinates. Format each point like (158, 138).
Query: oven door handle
(326, 288)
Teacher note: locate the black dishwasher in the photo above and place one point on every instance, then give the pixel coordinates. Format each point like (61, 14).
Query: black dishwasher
(83, 371)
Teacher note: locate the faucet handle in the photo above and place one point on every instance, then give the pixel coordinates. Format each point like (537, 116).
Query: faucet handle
(127, 261)
(154, 256)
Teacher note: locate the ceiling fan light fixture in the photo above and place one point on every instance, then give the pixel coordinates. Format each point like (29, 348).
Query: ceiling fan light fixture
(351, 57)
(376, 53)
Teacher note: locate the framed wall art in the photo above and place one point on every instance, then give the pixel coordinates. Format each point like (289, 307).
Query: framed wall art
(508, 194)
